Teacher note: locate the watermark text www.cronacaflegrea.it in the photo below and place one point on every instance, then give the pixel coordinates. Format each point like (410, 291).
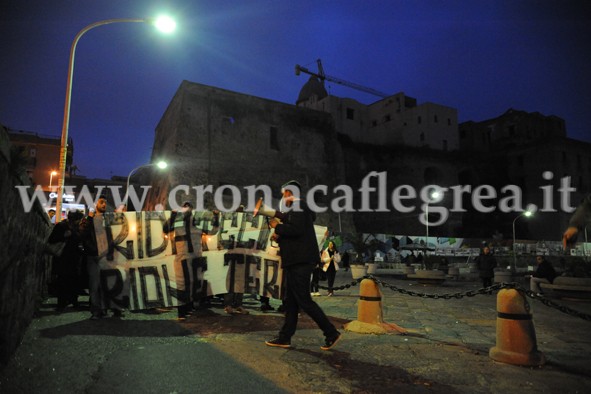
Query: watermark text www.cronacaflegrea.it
(373, 195)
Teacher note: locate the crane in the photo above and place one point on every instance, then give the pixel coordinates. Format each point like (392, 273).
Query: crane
(322, 76)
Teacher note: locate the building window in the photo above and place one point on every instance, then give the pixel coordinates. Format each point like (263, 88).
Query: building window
(435, 118)
(274, 138)
(462, 134)
(374, 123)
(419, 120)
(422, 137)
(512, 130)
(350, 113)
(387, 118)
(449, 121)
(33, 152)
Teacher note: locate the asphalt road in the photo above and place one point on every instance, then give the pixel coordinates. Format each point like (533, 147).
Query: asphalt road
(446, 350)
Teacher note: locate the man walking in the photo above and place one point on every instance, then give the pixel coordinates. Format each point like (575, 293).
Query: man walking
(299, 254)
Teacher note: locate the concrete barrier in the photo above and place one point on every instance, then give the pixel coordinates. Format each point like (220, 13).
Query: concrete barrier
(570, 287)
(516, 336)
(428, 277)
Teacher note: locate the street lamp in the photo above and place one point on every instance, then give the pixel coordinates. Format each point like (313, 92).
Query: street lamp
(51, 178)
(434, 196)
(164, 24)
(161, 164)
(527, 214)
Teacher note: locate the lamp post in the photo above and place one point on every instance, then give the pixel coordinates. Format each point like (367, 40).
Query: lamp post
(51, 178)
(163, 24)
(161, 164)
(432, 197)
(527, 214)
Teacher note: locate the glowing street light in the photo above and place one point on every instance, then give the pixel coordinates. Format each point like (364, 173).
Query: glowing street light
(164, 24)
(51, 178)
(161, 164)
(529, 212)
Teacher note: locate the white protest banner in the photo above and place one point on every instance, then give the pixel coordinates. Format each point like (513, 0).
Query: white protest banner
(147, 268)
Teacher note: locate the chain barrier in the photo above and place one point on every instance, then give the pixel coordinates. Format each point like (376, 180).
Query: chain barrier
(472, 293)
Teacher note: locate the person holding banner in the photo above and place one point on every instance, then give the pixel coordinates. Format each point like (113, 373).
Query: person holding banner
(299, 254)
(94, 240)
(187, 238)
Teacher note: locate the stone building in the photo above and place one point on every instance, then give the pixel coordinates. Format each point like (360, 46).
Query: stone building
(222, 138)
(394, 120)
(214, 137)
(531, 150)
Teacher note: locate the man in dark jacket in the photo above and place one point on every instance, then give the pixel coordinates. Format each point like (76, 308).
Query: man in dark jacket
(486, 263)
(299, 254)
(544, 273)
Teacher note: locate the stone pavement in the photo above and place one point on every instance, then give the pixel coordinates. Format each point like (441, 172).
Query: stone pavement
(446, 350)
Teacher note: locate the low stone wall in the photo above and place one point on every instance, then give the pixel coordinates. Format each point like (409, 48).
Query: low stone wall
(24, 266)
(565, 286)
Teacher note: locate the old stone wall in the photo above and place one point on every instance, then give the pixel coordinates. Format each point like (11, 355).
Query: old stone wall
(24, 266)
(216, 137)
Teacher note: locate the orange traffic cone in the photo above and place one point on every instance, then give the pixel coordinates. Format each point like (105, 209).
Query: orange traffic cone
(370, 319)
(516, 337)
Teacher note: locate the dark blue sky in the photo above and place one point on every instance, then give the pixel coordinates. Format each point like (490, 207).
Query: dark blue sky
(481, 57)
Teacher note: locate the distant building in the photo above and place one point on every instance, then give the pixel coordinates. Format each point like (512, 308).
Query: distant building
(395, 120)
(530, 150)
(222, 138)
(40, 156)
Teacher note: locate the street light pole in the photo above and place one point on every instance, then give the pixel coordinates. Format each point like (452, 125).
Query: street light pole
(167, 26)
(433, 196)
(161, 164)
(526, 214)
(51, 179)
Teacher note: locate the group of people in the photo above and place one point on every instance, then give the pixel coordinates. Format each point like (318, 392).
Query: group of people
(68, 268)
(295, 234)
(77, 265)
(544, 270)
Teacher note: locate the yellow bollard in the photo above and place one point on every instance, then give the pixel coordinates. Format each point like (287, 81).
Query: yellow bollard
(370, 319)
(516, 337)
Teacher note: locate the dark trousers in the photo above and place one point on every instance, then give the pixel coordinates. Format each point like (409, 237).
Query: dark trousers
(297, 296)
(94, 285)
(486, 282)
(315, 278)
(331, 274)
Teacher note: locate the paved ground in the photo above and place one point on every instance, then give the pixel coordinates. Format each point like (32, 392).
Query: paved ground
(446, 350)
